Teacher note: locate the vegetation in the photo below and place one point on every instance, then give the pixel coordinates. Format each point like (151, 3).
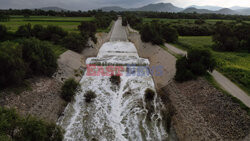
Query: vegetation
(24, 59)
(88, 30)
(158, 33)
(16, 128)
(13, 68)
(39, 57)
(115, 80)
(234, 65)
(75, 42)
(232, 37)
(69, 89)
(197, 63)
(89, 96)
(149, 94)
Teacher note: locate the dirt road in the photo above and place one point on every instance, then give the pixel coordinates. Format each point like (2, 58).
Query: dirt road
(224, 82)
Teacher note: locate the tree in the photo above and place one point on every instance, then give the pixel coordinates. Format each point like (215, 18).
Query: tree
(38, 55)
(197, 63)
(75, 42)
(3, 32)
(169, 33)
(13, 68)
(24, 31)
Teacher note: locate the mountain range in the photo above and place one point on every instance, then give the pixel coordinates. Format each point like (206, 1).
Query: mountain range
(168, 7)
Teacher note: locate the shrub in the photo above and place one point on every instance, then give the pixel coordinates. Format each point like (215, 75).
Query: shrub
(124, 21)
(13, 68)
(38, 55)
(15, 127)
(54, 34)
(115, 79)
(3, 32)
(89, 95)
(39, 32)
(149, 33)
(197, 63)
(24, 31)
(199, 21)
(169, 33)
(149, 94)
(88, 30)
(69, 89)
(75, 42)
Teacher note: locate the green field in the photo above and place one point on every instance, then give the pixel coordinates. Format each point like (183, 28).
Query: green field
(67, 23)
(234, 65)
(211, 21)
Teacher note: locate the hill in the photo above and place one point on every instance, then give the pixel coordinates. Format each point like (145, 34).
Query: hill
(57, 9)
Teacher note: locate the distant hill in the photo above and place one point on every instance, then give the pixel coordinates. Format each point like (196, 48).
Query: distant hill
(227, 11)
(168, 7)
(195, 10)
(113, 8)
(159, 7)
(57, 9)
(244, 11)
(208, 7)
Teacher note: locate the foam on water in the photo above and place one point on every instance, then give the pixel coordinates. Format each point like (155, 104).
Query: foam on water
(118, 113)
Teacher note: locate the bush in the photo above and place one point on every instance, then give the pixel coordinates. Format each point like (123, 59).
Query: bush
(89, 95)
(38, 55)
(149, 94)
(124, 21)
(115, 80)
(196, 64)
(3, 32)
(24, 31)
(182, 71)
(54, 34)
(75, 42)
(69, 89)
(39, 32)
(13, 68)
(88, 30)
(14, 127)
(169, 33)
(149, 33)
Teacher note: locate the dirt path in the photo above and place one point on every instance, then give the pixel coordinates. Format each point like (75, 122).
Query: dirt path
(224, 82)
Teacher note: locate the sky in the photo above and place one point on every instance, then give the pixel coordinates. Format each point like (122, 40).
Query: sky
(94, 4)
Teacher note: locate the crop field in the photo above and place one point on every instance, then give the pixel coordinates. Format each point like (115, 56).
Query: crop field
(211, 21)
(67, 23)
(234, 65)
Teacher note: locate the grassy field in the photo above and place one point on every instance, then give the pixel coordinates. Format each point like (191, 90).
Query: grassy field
(212, 21)
(234, 65)
(67, 23)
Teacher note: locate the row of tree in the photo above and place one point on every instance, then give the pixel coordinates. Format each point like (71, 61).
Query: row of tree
(231, 36)
(188, 15)
(39, 12)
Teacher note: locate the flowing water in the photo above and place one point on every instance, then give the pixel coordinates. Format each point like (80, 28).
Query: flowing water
(118, 113)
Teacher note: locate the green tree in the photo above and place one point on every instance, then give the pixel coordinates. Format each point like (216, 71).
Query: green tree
(75, 42)
(13, 68)
(3, 32)
(38, 55)
(24, 31)
(169, 33)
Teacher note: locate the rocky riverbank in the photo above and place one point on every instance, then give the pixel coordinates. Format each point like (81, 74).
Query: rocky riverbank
(43, 100)
(201, 111)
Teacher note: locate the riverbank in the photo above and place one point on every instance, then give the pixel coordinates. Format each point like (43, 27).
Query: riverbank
(43, 99)
(202, 112)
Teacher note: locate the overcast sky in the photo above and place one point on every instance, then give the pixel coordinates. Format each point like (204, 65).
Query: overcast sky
(94, 4)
